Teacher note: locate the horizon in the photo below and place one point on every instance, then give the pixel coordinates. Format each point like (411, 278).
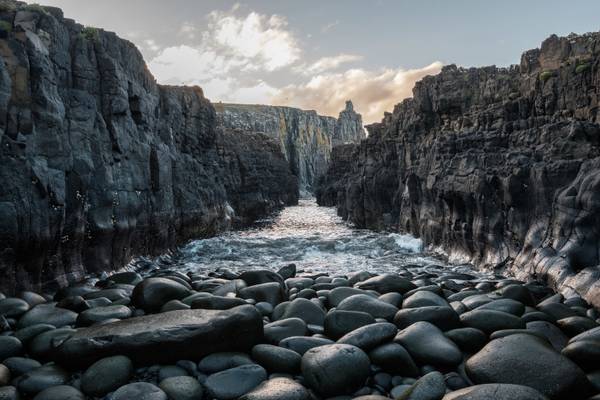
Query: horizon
(309, 57)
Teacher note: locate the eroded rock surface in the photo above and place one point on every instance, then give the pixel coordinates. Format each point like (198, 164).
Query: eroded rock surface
(498, 166)
(99, 163)
(305, 137)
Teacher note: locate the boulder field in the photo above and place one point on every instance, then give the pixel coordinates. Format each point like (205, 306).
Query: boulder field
(413, 335)
(496, 166)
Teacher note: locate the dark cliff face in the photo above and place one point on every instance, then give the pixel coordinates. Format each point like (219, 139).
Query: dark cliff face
(500, 167)
(305, 137)
(98, 163)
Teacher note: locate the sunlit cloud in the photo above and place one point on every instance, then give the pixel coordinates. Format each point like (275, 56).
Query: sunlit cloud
(373, 92)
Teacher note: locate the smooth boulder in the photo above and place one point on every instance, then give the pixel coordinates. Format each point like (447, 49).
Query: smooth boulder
(523, 359)
(166, 337)
(496, 391)
(335, 369)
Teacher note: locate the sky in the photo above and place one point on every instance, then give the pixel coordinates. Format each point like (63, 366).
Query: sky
(315, 54)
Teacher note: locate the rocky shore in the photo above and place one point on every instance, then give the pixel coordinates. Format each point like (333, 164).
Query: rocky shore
(496, 166)
(291, 335)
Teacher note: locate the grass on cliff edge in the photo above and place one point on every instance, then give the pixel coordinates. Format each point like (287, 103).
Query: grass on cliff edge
(90, 33)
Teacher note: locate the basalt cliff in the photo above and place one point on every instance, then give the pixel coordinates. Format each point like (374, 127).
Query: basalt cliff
(305, 137)
(497, 166)
(99, 163)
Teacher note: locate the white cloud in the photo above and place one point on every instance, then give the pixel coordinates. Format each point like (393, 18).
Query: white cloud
(226, 57)
(330, 26)
(262, 40)
(151, 45)
(230, 58)
(373, 92)
(328, 63)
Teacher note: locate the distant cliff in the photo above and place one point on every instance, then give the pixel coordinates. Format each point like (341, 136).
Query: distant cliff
(305, 137)
(98, 163)
(499, 166)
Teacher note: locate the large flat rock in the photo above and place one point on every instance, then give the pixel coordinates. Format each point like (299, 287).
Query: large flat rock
(165, 337)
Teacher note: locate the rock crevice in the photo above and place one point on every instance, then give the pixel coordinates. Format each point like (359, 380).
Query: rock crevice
(305, 138)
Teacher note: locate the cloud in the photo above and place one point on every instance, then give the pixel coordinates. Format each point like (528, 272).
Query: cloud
(263, 41)
(227, 57)
(330, 26)
(373, 92)
(236, 55)
(328, 63)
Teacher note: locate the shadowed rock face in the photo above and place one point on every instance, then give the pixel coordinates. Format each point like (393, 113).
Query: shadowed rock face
(98, 163)
(499, 166)
(305, 137)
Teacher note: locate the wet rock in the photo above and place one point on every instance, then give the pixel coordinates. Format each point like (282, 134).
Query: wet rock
(166, 337)
(424, 298)
(386, 283)
(276, 359)
(469, 340)
(270, 292)
(42, 378)
(170, 371)
(62, 392)
(4, 375)
(496, 391)
(370, 305)
(21, 365)
(9, 393)
(551, 332)
(428, 345)
(106, 375)
(519, 293)
(43, 345)
(217, 303)
(338, 322)
(12, 307)
(217, 362)
(33, 299)
(335, 369)
(235, 382)
(289, 271)
(370, 336)
(585, 353)
(152, 293)
(99, 314)
(47, 314)
(394, 357)
(10, 347)
(301, 344)
(128, 278)
(284, 328)
(336, 295)
(526, 360)
(278, 388)
(573, 326)
(429, 387)
(444, 318)
(182, 388)
(139, 390)
(306, 310)
(505, 305)
(490, 321)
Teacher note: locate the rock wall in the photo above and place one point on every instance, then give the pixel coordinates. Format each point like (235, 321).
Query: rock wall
(305, 137)
(498, 166)
(98, 163)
